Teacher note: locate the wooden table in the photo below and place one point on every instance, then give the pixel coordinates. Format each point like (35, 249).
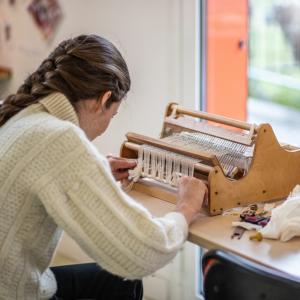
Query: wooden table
(215, 233)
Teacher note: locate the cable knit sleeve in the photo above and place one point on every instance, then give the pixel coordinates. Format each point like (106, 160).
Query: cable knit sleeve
(80, 194)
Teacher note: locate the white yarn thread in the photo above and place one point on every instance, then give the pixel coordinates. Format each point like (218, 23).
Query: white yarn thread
(231, 155)
(162, 165)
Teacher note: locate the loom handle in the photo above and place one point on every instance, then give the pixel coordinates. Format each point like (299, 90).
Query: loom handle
(177, 109)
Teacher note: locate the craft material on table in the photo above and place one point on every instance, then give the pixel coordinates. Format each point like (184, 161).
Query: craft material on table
(285, 219)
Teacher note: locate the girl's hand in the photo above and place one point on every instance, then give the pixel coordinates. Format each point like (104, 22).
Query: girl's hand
(120, 166)
(191, 193)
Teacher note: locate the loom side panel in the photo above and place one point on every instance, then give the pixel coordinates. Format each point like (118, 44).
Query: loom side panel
(274, 172)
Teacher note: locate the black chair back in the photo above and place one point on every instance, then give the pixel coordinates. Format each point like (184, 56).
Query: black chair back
(230, 277)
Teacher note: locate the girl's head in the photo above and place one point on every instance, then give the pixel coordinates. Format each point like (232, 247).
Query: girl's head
(86, 68)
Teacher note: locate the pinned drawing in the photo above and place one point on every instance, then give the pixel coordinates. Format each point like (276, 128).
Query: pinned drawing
(47, 14)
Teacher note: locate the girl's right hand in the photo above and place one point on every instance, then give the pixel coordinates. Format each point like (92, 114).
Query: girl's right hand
(191, 194)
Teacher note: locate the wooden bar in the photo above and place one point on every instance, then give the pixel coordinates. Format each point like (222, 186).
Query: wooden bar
(198, 167)
(181, 124)
(212, 117)
(141, 139)
(5, 73)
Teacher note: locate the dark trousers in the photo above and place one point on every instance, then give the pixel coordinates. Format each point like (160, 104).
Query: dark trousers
(90, 282)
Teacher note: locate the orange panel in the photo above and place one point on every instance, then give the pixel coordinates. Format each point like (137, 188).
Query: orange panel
(226, 64)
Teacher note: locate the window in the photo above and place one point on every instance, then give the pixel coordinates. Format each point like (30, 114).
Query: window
(274, 66)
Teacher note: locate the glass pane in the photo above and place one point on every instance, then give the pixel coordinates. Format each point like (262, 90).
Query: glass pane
(274, 66)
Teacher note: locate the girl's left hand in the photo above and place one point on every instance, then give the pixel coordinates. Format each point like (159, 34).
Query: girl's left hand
(120, 166)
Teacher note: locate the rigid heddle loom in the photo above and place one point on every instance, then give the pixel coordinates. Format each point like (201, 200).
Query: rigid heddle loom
(242, 163)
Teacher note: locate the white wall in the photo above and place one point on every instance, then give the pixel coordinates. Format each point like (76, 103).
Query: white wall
(157, 39)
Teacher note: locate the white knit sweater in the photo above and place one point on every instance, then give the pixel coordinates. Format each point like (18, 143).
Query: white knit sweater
(53, 179)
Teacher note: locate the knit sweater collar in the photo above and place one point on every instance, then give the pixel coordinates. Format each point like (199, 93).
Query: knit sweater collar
(59, 106)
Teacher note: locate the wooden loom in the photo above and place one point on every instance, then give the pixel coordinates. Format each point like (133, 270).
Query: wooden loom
(273, 171)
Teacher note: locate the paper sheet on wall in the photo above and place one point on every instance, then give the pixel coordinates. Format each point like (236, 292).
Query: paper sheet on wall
(46, 14)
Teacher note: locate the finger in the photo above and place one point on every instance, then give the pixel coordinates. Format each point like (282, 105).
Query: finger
(122, 164)
(121, 175)
(183, 179)
(205, 200)
(115, 157)
(205, 182)
(109, 155)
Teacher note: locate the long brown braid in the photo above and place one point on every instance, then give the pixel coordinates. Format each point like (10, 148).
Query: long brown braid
(81, 68)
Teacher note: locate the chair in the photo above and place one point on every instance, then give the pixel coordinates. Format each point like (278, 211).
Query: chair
(230, 277)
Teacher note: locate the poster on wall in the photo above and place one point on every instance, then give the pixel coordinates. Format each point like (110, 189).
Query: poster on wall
(6, 43)
(46, 14)
(5, 51)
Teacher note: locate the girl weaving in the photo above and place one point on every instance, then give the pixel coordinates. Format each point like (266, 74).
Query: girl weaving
(52, 179)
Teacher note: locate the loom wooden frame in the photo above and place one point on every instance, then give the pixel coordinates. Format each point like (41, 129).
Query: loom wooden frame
(273, 173)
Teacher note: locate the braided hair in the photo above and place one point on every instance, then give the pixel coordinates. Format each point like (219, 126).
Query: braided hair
(81, 68)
